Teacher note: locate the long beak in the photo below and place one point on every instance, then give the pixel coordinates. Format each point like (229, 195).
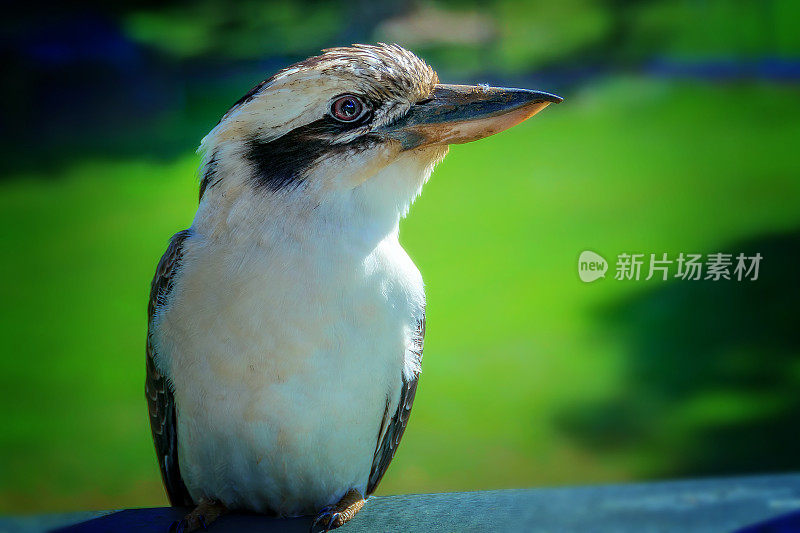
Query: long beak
(462, 113)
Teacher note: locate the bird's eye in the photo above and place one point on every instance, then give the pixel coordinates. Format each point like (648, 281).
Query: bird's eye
(347, 108)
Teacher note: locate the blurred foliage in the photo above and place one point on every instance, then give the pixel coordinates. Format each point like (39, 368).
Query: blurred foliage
(538, 33)
(468, 36)
(746, 28)
(248, 29)
(716, 365)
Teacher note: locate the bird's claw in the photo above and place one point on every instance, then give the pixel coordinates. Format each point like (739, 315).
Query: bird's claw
(325, 521)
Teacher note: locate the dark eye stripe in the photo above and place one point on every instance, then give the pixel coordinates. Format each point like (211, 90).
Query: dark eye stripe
(282, 162)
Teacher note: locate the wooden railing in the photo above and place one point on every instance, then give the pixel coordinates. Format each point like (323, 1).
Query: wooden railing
(756, 503)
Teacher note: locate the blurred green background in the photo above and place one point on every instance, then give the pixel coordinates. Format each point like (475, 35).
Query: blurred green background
(679, 134)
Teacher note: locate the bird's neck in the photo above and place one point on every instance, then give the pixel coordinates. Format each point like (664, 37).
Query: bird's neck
(351, 219)
(316, 213)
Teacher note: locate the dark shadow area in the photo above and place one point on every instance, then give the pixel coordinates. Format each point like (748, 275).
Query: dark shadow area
(788, 523)
(158, 520)
(712, 372)
(80, 87)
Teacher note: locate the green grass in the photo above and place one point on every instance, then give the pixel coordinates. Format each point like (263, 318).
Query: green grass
(513, 335)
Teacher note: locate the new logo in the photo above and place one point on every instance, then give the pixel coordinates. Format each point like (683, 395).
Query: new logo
(591, 266)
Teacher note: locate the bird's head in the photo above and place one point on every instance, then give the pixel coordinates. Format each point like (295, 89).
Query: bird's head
(359, 126)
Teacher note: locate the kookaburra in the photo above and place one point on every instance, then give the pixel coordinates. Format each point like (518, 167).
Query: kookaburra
(286, 324)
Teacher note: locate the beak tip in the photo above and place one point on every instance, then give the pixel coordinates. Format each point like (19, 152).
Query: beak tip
(551, 98)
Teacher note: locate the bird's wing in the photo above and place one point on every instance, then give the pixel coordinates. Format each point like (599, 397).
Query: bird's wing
(160, 400)
(392, 430)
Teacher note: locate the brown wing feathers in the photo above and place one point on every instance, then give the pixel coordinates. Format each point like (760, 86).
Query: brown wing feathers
(397, 426)
(160, 400)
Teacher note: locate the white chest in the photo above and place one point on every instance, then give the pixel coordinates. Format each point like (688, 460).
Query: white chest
(283, 361)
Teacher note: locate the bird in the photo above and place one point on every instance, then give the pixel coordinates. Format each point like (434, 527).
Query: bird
(286, 324)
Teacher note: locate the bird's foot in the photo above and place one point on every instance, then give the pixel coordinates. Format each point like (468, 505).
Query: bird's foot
(203, 515)
(333, 516)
